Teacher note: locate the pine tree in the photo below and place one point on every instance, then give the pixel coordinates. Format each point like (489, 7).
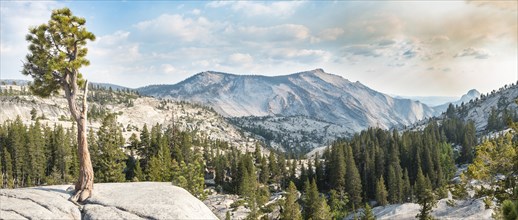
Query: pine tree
(139, 174)
(57, 52)
(274, 168)
(134, 144)
(111, 160)
(291, 209)
(353, 183)
(338, 204)
(35, 146)
(338, 169)
(8, 169)
(510, 210)
(1, 171)
(323, 211)
(319, 172)
(407, 188)
(264, 176)
(367, 213)
(145, 144)
(425, 196)
(381, 192)
(310, 200)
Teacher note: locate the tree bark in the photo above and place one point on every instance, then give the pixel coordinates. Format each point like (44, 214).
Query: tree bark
(85, 183)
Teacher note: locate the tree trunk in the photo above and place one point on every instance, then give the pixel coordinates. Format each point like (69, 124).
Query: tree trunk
(85, 183)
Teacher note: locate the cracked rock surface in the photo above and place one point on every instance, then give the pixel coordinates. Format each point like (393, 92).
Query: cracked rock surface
(144, 200)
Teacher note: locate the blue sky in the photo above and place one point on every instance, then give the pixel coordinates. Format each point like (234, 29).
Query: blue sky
(406, 48)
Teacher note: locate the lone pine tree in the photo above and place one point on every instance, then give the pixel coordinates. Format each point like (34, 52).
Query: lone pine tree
(57, 51)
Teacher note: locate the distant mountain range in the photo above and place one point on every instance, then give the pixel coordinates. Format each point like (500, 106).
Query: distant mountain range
(22, 82)
(314, 94)
(296, 112)
(471, 95)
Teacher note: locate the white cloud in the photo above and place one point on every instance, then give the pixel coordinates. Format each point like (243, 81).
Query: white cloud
(363, 50)
(283, 32)
(183, 28)
(202, 63)
(300, 55)
(251, 8)
(240, 59)
(114, 47)
(474, 52)
(196, 11)
(167, 68)
(328, 35)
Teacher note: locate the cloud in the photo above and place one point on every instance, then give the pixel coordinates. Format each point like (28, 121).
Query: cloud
(363, 50)
(250, 8)
(115, 47)
(177, 26)
(167, 68)
(276, 33)
(299, 55)
(240, 59)
(473, 52)
(386, 42)
(503, 5)
(196, 11)
(328, 35)
(411, 53)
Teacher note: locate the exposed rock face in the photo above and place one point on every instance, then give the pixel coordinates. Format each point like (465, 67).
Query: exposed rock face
(314, 93)
(37, 203)
(146, 200)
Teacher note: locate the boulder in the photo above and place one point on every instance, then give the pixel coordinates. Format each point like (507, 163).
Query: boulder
(142, 200)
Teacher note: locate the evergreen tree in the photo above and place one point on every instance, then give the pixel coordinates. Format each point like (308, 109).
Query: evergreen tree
(353, 183)
(311, 200)
(1, 171)
(425, 196)
(291, 209)
(139, 174)
(407, 188)
(274, 168)
(145, 144)
(510, 210)
(319, 172)
(381, 192)
(338, 204)
(134, 144)
(264, 176)
(111, 159)
(57, 52)
(323, 211)
(8, 163)
(367, 213)
(36, 160)
(337, 175)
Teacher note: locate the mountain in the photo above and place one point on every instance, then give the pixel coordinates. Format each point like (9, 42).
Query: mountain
(430, 100)
(500, 105)
(133, 112)
(501, 102)
(471, 95)
(22, 82)
(314, 94)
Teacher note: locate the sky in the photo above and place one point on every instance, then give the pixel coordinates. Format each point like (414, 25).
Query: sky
(412, 48)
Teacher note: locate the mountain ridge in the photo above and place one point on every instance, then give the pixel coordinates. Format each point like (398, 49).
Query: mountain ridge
(313, 93)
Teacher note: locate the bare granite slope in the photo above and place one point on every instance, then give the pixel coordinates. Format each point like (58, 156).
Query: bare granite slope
(144, 200)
